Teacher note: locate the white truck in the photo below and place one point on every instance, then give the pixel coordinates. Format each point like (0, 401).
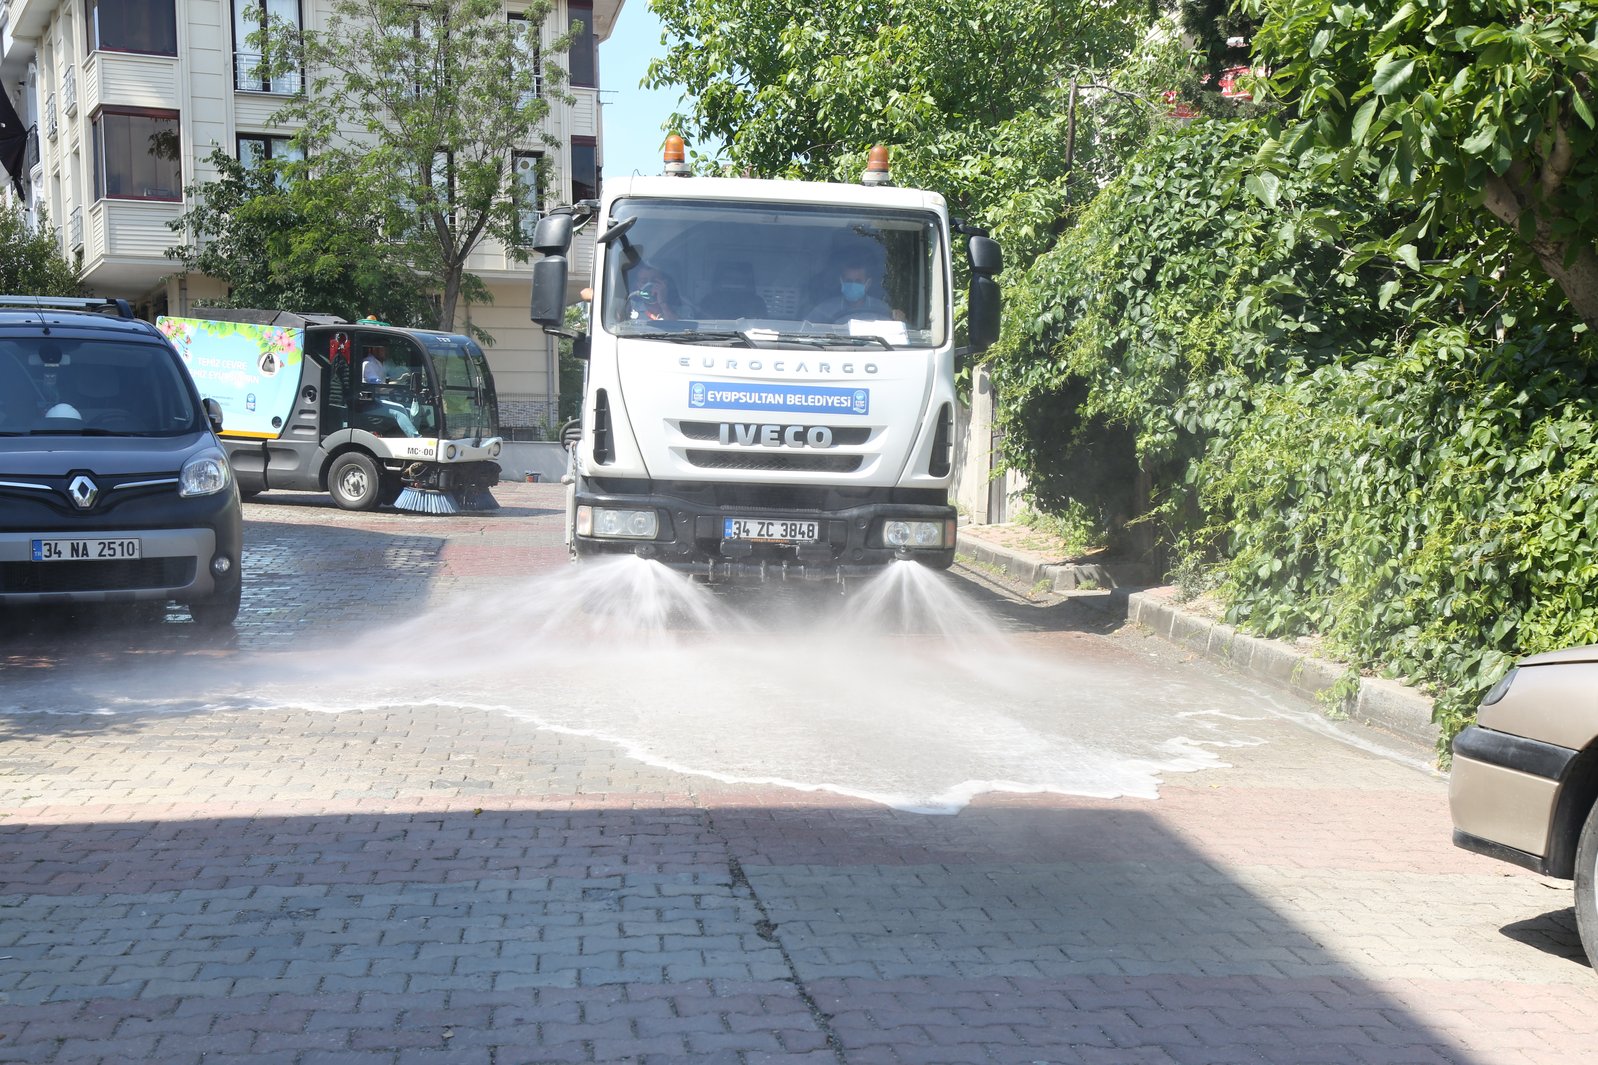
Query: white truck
(769, 388)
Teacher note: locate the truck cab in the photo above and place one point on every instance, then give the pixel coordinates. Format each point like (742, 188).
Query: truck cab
(770, 382)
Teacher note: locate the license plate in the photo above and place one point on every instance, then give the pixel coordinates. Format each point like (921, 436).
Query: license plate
(86, 549)
(779, 530)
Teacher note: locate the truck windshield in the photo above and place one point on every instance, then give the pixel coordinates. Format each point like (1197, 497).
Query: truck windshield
(778, 275)
(466, 388)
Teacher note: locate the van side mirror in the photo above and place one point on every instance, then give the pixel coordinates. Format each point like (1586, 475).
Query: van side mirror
(213, 413)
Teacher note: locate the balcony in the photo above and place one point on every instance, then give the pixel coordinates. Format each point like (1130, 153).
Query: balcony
(69, 90)
(247, 78)
(75, 230)
(130, 80)
(51, 124)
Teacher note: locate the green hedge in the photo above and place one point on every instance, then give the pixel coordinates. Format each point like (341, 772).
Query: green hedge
(1415, 486)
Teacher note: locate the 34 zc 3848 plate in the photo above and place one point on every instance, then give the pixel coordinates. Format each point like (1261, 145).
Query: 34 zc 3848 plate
(774, 530)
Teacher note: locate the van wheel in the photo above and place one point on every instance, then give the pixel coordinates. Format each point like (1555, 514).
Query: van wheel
(353, 482)
(1587, 886)
(219, 612)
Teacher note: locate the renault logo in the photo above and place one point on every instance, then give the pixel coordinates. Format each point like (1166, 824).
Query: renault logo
(83, 492)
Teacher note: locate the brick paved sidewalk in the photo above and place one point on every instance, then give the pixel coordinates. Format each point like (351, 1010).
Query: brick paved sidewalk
(420, 884)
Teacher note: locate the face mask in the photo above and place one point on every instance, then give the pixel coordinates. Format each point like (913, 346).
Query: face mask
(854, 291)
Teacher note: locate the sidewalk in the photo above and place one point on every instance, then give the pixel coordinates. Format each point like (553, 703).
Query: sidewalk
(1032, 561)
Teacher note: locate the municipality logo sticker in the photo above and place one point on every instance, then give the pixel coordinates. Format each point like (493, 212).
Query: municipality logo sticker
(696, 395)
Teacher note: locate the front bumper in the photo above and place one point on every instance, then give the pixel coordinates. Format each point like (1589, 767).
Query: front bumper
(690, 538)
(1503, 794)
(180, 540)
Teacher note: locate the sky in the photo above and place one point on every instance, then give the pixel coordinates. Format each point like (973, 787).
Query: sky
(633, 116)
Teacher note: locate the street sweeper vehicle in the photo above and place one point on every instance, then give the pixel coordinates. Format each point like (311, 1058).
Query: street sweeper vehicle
(769, 387)
(369, 413)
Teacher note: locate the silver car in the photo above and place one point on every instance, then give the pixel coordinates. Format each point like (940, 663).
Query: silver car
(1525, 775)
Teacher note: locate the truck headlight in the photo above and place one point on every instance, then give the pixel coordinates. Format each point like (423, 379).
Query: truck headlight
(913, 534)
(204, 475)
(611, 524)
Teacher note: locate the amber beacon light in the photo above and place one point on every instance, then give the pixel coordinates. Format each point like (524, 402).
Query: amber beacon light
(676, 166)
(876, 167)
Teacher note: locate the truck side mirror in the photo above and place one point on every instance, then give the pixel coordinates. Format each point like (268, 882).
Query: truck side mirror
(549, 291)
(985, 255)
(553, 234)
(983, 312)
(985, 306)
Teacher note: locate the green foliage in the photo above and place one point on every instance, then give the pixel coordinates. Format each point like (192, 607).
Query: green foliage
(300, 245)
(972, 95)
(1075, 527)
(1416, 489)
(31, 264)
(1478, 115)
(419, 107)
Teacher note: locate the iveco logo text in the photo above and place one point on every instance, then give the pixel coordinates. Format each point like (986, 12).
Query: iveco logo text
(779, 366)
(775, 435)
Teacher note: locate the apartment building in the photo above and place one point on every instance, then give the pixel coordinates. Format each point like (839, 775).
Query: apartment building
(125, 99)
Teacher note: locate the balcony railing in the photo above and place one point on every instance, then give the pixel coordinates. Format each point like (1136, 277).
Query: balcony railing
(75, 229)
(50, 122)
(69, 90)
(247, 76)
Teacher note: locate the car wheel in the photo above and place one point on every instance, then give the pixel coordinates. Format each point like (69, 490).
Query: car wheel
(219, 612)
(353, 482)
(1587, 885)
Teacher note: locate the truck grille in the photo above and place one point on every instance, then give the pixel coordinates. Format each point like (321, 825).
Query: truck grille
(797, 462)
(842, 435)
(96, 576)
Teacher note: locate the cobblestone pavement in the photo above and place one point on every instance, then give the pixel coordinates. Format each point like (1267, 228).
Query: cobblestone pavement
(203, 882)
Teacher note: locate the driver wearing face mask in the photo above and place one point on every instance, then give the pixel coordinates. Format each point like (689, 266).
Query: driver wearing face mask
(854, 299)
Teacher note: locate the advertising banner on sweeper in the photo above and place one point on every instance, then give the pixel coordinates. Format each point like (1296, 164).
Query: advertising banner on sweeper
(253, 371)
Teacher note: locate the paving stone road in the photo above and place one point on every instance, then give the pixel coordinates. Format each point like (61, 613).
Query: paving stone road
(188, 878)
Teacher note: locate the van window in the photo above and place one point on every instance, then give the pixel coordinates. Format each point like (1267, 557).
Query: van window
(52, 385)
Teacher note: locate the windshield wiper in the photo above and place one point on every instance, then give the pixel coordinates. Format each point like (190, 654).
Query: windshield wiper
(701, 336)
(855, 341)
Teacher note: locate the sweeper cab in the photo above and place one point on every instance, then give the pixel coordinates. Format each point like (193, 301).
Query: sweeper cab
(770, 386)
(367, 412)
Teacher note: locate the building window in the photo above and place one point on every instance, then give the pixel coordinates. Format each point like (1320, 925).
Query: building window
(529, 59)
(137, 155)
(581, 57)
(585, 168)
(527, 181)
(257, 148)
(148, 26)
(251, 17)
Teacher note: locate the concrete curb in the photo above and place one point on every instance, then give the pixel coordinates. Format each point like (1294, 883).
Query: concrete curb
(1384, 704)
(1380, 703)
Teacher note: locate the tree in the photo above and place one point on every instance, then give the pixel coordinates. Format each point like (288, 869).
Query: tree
(297, 244)
(1016, 111)
(30, 262)
(421, 108)
(1479, 114)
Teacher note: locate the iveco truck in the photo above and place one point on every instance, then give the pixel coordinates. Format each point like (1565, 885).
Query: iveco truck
(770, 380)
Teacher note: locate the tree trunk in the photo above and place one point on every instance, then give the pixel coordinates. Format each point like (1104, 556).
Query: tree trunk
(1573, 266)
(448, 298)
